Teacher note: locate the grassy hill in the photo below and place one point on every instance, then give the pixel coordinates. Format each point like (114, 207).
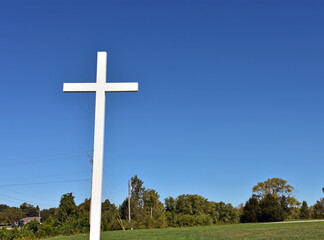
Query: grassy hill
(293, 231)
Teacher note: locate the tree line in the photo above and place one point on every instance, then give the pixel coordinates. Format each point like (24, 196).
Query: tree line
(271, 200)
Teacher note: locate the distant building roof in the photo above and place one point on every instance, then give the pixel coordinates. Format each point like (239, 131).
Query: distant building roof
(28, 219)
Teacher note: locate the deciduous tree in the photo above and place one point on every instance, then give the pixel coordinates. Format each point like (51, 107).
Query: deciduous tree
(275, 186)
(11, 214)
(67, 210)
(154, 210)
(109, 216)
(29, 210)
(46, 213)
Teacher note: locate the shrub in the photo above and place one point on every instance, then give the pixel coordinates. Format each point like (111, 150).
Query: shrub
(16, 234)
(33, 225)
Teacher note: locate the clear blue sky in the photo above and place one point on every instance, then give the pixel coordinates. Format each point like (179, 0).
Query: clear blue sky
(231, 94)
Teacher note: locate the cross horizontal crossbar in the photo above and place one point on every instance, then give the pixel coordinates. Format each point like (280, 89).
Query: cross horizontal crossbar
(107, 87)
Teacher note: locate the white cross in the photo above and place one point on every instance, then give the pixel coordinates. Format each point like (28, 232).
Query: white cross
(100, 88)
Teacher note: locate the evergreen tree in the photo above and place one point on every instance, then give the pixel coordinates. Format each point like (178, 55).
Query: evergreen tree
(251, 210)
(270, 210)
(304, 211)
(318, 209)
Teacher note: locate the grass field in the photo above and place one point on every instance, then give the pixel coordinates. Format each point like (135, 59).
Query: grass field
(307, 231)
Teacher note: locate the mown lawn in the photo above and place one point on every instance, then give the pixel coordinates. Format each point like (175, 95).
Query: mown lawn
(307, 231)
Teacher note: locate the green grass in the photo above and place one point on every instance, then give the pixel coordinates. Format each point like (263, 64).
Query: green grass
(251, 231)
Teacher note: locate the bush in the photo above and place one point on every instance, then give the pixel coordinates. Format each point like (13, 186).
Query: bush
(170, 218)
(203, 220)
(67, 229)
(5, 234)
(184, 220)
(33, 225)
(16, 234)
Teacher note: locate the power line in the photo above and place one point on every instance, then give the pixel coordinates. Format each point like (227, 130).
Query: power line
(12, 201)
(112, 197)
(27, 194)
(105, 194)
(17, 199)
(108, 179)
(38, 183)
(51, 175)
(44, 160)
(44, 157)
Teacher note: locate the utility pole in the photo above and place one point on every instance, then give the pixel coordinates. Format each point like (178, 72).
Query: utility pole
(129, 189)
(90, 156)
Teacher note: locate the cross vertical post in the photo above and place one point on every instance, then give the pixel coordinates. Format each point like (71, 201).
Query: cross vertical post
(100, 88)
(98, 149)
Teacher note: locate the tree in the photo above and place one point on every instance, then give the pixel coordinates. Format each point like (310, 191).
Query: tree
(109, 216)
(84, 209)
(318, 209)
(48, 228)
(137, 202)
(170, 204)
(67, 210)
(3, 207)
(283, 200)
(33, 225)
(290, 205)
(191, 204)
(281, 191)
(226, 213)
(46, 213)
(276, 186)
(29, 210)
(195, 210)
(214, 211)
(137, 192)
(251, 210)
(123, 209)
(304, 211)
(143, 202)
(170, 207)
(270, 210)
(11, 214)
(154, 210)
